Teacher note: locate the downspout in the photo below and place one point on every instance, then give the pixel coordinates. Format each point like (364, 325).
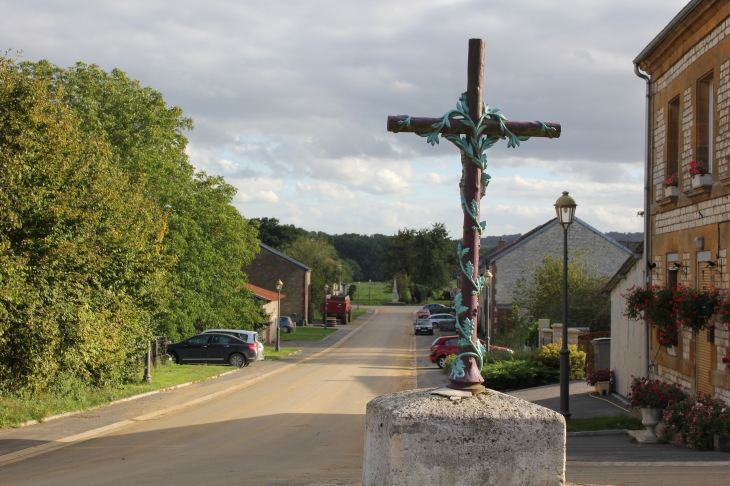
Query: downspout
(647, 205)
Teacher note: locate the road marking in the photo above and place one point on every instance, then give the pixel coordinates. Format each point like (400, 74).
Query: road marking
(648, 464)
(90, 434)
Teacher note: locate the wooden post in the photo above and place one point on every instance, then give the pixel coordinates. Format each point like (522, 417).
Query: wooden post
(472, 192)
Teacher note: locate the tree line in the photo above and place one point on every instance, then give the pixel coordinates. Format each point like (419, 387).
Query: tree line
(108, 236)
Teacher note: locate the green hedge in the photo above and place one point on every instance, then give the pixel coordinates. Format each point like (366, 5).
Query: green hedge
(514, 375)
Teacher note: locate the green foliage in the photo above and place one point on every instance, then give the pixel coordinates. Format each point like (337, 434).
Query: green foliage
(513, 331)
(420, 293)
(549, 356)
(448, 363)
(517, 374)
(696, 419)
(206, 237)
(540, 296)
(352, 291)
(426, 255)
(366, 251)
(326, 265)
(277, 235)
(83, 267)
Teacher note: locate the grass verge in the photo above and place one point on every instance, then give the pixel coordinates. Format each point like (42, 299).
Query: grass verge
(15, 410)
(308, 333)
(271, 354)
(604, 423)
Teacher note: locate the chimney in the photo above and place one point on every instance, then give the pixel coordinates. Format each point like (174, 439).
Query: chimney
(500, 243)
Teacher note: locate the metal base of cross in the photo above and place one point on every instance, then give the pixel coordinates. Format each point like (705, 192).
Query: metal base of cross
(474, 388)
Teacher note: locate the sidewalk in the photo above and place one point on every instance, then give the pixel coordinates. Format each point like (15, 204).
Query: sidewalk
(88, 424)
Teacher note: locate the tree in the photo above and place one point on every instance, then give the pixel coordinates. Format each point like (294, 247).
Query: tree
(322, 258)
(540, 296)
(425, 255)
(366, 250)
(277, 235)
(206, 237)
(83, 267)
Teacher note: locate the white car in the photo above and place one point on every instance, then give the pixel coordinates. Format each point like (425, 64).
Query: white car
(245, 336)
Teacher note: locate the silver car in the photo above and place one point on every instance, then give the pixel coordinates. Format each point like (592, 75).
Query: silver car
(245, 336)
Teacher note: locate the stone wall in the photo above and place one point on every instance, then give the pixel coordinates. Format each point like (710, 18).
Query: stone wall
(268, 267)
(522, 261)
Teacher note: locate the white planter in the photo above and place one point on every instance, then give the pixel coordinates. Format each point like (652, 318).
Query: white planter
(671, 191)
(650, 418)
(701, 180)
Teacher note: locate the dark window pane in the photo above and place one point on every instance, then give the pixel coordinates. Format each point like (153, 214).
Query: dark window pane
(199, 340)
(219, 339)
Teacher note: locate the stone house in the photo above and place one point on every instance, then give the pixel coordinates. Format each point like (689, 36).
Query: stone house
(687, 74)
(269, 266)
(270, 302)
(629, 339)
(516, 260)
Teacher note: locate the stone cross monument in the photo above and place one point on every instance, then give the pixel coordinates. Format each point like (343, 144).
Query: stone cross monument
(395, 291)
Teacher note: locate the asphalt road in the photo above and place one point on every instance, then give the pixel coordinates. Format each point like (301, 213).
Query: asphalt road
(303, 426)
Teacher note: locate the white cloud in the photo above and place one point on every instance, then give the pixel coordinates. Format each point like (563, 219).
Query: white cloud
(258, 190)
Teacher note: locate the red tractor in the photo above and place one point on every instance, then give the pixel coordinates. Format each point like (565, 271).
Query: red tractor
(338, 306)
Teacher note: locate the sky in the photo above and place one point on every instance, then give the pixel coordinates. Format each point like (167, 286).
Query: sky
(290, 99)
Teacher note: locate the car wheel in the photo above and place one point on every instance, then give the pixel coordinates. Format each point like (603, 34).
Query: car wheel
(173, 357)
(440, 362)
(238, 360)
(285, 330)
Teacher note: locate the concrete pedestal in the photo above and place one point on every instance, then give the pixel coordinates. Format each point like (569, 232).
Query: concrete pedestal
(416, 438)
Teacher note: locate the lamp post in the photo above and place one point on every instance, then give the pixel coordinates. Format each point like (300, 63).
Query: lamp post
(565, 209)
(279, 286)
(358, 295)
(488, 275)
(324, 306)
(370, 282)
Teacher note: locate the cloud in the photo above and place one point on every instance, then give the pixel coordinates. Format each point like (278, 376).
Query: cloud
(285, 93)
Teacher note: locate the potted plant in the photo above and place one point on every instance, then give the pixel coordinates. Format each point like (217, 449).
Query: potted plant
(671, 186)
(652, 396)
(694, 308)
(700, 174)
(601, 380)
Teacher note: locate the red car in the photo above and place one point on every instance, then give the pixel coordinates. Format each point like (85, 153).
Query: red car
(446, 345)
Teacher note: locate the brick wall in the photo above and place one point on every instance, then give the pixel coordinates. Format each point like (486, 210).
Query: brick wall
(269, 267)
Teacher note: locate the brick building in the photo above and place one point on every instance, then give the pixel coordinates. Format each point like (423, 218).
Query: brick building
(687, 70)
(518, 259)
(270, 266)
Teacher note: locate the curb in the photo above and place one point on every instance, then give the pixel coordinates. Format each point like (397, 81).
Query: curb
(23, 454)
(590, 433)
(122, 400)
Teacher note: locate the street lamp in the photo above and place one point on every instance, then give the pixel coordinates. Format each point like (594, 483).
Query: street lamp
(279, 286)
(369, 285)
(358, 295)
(324, 306)
(565, 209)
(488, 275)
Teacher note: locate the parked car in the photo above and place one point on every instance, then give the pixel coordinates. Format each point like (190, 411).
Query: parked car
(212, 348)
(423, 312)
(430, 309)
(424, 326)
(444, 322)
(446, 345)
(286, 324)
(245, 336)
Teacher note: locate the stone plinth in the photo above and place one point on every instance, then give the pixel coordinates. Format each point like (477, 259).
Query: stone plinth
(558, 334)
(416, 438)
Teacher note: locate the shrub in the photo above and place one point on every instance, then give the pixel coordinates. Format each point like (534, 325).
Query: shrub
(549, 356)
(447, 364)
(696, 419)
(517, 374)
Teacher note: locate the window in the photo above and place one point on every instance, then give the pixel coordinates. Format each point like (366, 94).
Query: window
(673, 267)
(705, 121)
(673, 130)
(199, 340)
(218, 339)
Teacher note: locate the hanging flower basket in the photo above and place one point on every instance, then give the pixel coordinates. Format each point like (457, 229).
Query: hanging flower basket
(656, 307)
(723, 309)
(694, 308)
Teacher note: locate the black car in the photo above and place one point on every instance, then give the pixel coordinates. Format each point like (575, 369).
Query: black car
(212, 348)
(438, 308)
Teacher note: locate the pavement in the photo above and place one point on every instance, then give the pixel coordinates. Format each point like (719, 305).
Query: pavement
(300, 421)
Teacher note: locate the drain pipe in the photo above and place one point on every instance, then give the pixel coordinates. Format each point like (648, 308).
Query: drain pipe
(647, 204)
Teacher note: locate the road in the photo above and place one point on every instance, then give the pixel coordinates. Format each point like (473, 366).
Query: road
(304, 426)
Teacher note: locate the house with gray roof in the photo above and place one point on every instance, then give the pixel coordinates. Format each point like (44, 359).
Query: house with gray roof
(518, 259)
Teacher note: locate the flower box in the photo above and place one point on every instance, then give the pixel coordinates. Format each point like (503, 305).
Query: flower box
(603, 387)
(671, 191)
(701, 180)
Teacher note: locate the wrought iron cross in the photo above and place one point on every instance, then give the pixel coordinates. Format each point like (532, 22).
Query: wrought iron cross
(482, 127)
